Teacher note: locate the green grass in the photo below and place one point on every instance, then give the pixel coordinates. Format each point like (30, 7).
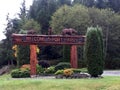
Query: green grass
(106, 83)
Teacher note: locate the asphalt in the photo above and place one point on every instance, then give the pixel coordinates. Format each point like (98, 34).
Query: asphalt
(111, 73)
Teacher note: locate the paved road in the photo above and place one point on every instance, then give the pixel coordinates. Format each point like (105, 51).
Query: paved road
(111, 73)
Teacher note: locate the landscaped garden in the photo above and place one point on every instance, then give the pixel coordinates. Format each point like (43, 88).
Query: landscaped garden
(60, 45)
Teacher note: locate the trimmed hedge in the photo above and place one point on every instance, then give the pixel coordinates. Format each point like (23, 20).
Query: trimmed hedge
(62, 65)
(17, 73)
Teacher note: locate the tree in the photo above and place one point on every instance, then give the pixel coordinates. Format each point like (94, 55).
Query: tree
(41, 11)
(88, 3)
(64, 2)
(23, 55)
(101, 4)
(7, 52)
(114, 4)
(94, 53)
(71, 17)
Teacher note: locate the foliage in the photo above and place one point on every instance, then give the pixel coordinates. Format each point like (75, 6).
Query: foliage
(76, 70)
(88, 3)
(113, 64)
(68, 72)
(62, 65)
(43, 64)
(23, 55)
(66, 53)
(41, 11)
(71, 17)
(17, 73)
(31, 25)
(94, 53)
(40, 70)
(59, 72)
(50, 70)
(84, 70)
(7, 54)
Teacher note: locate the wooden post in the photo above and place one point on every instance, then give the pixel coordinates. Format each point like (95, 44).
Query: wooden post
(74, 62)
(33, 60)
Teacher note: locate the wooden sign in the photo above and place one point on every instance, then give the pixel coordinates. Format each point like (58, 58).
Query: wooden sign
(48, 39)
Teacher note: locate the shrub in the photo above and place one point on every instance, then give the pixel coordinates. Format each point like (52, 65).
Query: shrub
(94, 53)
(84, 70)
(59, 72)
(68, 72)
(39, 69)
(50, 70)
(44, 64)
(17, 73)
(62, 65)
(76, 70)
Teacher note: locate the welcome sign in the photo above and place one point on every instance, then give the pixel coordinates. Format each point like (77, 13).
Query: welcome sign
(48, 39)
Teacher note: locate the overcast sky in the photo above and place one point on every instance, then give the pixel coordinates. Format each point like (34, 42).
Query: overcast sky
(12, 7)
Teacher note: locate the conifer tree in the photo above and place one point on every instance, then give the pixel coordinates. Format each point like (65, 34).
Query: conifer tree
(94, 53)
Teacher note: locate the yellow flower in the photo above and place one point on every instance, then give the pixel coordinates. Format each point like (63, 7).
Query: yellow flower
(14, 47)
(68, 72)
(38, 50)
(15, 50)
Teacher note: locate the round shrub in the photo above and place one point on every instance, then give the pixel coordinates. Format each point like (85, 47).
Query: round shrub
(17, 73)
(68, 72)
(39, 68)
(62, 65)
(50, 70)
(44, 64)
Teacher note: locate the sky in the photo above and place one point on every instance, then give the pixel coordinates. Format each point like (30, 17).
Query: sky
(12, 7)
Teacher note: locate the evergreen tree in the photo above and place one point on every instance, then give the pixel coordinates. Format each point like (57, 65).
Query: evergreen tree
(94, 53)
(41, 11)
(114, 4)
(88, 3)
(23, 55)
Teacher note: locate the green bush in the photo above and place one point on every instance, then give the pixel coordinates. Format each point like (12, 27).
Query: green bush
(17, 73)
(50, 70)
(76, 70)
(84, 70)
(94, 53)
(62, 65)
(59, 72)
(39, 69)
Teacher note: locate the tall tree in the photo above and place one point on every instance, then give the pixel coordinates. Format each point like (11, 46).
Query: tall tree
(7, 52)
(88, 3)
(64, 2)
(41, 11)
(94, 53)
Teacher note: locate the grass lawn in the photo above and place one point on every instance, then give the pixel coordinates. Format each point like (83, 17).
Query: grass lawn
(106, 83)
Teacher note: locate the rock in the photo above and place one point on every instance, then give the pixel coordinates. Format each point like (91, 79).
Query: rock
(4, 70)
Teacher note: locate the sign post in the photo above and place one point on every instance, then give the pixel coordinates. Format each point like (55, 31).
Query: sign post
(33, 40)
